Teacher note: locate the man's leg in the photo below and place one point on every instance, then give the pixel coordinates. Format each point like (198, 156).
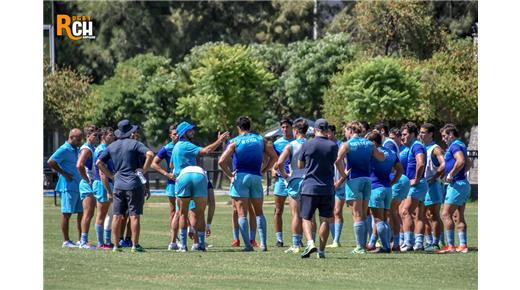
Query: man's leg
(419, 225)
(360, 230)
(307, 209)
(242, 205)
(447, 216)
(395, 222)
(252, 225)
(78, 224)
(135, 223)
(338, 220)
(117, 224)
(107, 227)
(433, 212)
(296, 224)
(102, 210)
(89, 204)
(200, 223)
(462, 229)
(409, 206)
(279, 202)
(65, 218)
(234, 226)
(257, 205)
(324, 232)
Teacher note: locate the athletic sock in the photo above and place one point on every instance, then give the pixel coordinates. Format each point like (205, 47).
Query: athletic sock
(84, 238)
(184, 238)
(338, 227)
(332, 229)
(396, 241)
(450, 235)
(279, 237)
(202, 239)
(441, 238)
(408, 238)
(359, 232)
(401, 238)
(262, 229)
(252, 234)
(373, 238)
(295, 241)
(108, 236)
(462, 238)
(428, 239)
(99, 234)
(244, 230)
(236, 233)
(368, 227)
(310, 243)
(383, 234)
(419, 239)
(435, 240)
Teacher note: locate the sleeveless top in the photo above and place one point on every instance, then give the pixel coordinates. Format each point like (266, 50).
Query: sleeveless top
(431, 166)
(89, 164)
(296, 147)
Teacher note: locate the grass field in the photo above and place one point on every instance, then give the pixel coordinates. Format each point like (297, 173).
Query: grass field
(224, 267)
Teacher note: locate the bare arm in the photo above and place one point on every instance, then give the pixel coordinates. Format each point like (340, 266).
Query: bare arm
(211, 206)
(156, 165)
(211, 147)
(340, 165)
(398, 172)
(106, 185)
(280, 163)
(271, 154)
(378, 154)
(459, 165)
(54, 165)
(439, 154)
(103, 168)
(148, 162)
(223, 160)
(80, 165)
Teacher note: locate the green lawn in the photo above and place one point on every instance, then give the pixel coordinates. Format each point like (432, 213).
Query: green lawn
(223, 267)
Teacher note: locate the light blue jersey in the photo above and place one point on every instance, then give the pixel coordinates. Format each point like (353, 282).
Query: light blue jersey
(249, 152)
(279, 145)
(411, 164)
(184, 154)
(449, 157)
(359, 157)
(381, 170)
(67, 156)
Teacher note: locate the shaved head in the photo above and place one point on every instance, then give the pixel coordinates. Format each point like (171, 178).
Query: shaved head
(75, 137)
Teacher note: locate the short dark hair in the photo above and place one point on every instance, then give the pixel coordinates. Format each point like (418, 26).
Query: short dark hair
(332, 128)
(89, 130)
(286, 121)
(244, 123)
(105, 131)
(366, 126)
(381, 125)
(428, 126)
(356, 127)
(375, 137)
(450, 128)
(173, 127)
(396, 131)
(301, 126)
(410, 127)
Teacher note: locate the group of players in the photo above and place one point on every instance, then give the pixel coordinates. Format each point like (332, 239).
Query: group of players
(394, 182)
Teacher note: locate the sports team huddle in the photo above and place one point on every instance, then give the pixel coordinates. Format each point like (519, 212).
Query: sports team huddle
(393, 180)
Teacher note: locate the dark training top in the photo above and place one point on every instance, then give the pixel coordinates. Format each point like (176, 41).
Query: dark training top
(319, 155)
(125, 156)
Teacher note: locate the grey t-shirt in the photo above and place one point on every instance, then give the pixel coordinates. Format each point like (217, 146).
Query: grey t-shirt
(319, 155)
(125, 156)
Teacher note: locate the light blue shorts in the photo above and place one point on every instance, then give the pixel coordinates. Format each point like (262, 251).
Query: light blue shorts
(458, 192)
(247, 185)
(85, 189)
(170, 189)
(279, 187)
(380, 197)
(419, 190)
(294, 188)
(100, 192)
(71, 202)
(340, 193)
(435, 194)
(401, 188)
(191, 206)
(191, 184)
(358, 188)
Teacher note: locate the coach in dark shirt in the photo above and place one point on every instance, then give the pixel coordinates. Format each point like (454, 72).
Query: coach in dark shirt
(128, 189)
(317, 157)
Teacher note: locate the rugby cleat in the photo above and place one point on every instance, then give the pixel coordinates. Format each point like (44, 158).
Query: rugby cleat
(293, 249)
(462, 249)
(137, 248)
(182, 250)
(103, 247)
(235, 243)
(418, 247)
(432, 248)
(263, 248)
(381, 251)
(87, 246)
(173, 247)
(250, 249)
(359, 250)
(279, 244)
(370, 247)
(254, 244)
(321, 255)
(447, 249)
(69, 244)
(117, 249)
(334, 245)
(308, 251)
(406, 248)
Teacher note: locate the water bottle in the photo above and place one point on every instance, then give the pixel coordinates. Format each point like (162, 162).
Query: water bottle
(140, 173)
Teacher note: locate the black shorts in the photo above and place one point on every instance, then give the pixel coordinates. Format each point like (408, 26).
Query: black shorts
(323, 203)
(128, 202)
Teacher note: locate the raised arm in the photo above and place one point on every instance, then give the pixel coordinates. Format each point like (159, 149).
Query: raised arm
(80, 165)
(223, 160)
(211, 147)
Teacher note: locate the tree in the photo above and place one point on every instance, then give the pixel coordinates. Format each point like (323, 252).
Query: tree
(65, 99)
(225, 83)
(404, 28)
(144, 90)
(310, 65)
(372, 90)
(450, 84)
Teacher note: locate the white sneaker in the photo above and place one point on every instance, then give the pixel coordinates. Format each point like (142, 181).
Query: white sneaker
(69, 244)
(293, 249)
(173, 247)
(418, 247)
(182, 250)
(194, 247)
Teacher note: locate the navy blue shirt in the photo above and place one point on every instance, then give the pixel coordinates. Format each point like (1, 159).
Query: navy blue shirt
(124, 153)
(319, 155)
